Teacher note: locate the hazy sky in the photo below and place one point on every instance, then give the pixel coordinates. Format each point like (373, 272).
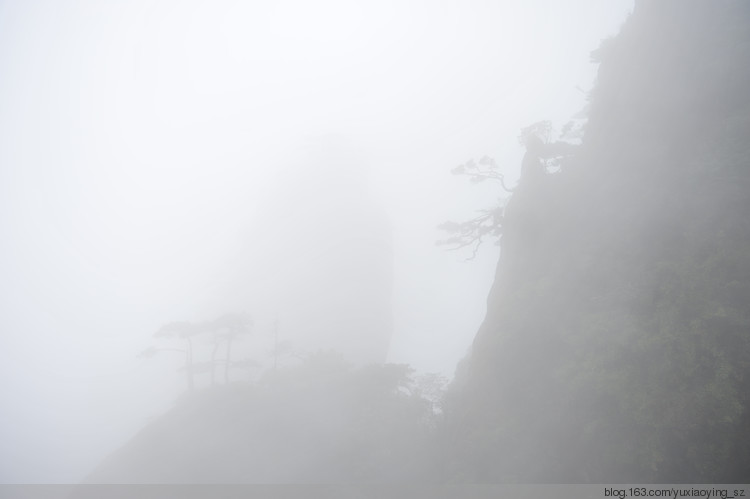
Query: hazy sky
(139, 142)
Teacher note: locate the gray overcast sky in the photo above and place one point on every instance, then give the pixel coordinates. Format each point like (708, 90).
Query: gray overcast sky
(139, 139)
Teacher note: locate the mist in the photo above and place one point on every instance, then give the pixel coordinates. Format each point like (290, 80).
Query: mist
(288, 161)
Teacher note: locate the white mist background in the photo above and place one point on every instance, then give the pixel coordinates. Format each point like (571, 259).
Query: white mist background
(138, 141)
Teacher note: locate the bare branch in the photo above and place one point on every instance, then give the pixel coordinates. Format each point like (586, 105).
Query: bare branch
(486, 169)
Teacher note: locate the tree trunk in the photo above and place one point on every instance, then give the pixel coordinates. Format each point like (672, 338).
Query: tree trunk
(189, 364)
(213, 362)
(228, 360)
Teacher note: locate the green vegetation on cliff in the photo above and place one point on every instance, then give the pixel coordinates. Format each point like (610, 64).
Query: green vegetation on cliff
(322, 421)
(616, 345)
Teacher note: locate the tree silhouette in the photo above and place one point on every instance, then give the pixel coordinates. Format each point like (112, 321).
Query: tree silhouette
(543, 155)
(224, 330)
(181, 330)
(227, 329)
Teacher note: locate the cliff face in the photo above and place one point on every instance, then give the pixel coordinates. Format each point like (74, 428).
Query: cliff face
(616, 345)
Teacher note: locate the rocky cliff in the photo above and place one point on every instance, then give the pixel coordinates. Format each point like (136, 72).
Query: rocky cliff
(617, 337)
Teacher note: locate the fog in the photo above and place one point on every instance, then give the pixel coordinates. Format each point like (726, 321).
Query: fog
(177, 161)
